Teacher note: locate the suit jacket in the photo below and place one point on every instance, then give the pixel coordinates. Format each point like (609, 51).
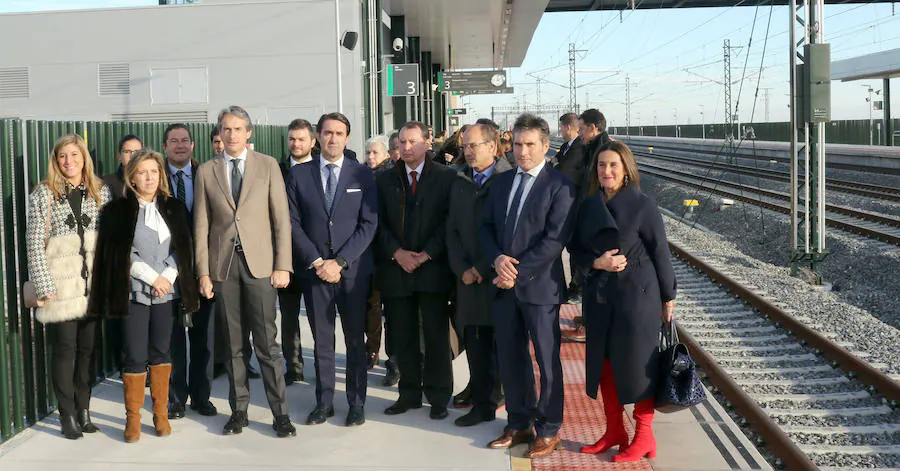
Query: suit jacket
(261, 217)
(116, 183)
(543, 230)
(463, 250)
(573, 163)
(416, 223)
(347, 230)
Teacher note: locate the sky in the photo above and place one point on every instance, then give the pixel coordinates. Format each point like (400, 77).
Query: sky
(672, 59)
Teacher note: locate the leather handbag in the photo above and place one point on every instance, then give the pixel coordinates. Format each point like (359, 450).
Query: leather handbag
(29, 295)
(678, 386)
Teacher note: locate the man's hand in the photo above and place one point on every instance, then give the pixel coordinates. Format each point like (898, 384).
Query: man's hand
(609, 261)
(505, 266)
(406, 260)
(161, 286)
(421, 257)
(478, 277)
(206, 287)
(504, 283)
(329, 271)
(280, 279)
(668, 311)
(471, 276)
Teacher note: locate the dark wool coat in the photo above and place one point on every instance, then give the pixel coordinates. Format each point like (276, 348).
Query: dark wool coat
(111, 285)
(473, 302)
(622, 311)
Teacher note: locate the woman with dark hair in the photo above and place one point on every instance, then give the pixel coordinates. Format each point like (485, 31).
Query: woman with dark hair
(630, 289)
(61, 234)
(144, 274)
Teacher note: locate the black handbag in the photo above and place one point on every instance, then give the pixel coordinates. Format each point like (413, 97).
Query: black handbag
(678, 387)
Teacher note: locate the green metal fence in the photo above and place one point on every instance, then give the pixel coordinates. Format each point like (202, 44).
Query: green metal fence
(25, 147)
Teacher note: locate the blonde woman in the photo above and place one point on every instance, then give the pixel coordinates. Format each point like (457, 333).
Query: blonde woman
(144, 275)
(60, 237)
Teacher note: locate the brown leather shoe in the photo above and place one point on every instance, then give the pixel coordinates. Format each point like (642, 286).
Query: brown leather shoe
(542, 446)
(510, 438)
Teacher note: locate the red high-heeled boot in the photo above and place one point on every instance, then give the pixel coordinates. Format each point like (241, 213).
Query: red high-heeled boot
(615, 427)
(644, 443)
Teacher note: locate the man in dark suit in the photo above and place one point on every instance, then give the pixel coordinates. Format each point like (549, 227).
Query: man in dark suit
(333, 206)
(571, 163)
(242, 235)
(194, 380)
(472, 269)
(129, 144)
(412, 271)
(527, 222)
(301, 140)
(592, 132)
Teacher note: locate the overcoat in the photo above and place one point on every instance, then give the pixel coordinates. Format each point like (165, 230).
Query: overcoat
(111, 285)
(473, 302)
(622, 311)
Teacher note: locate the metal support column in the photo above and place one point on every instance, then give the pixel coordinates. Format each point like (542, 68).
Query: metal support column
(398, 31)
(888, 132)
(412, 57)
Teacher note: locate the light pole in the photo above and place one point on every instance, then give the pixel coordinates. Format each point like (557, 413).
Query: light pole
(675, 113)
(869, 100)
(702, 123)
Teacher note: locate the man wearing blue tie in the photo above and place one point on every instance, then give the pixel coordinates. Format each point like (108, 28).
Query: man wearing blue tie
(334, 215)
(527, 221)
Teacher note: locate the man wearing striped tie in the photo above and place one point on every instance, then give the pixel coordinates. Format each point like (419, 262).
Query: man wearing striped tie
(178, 145)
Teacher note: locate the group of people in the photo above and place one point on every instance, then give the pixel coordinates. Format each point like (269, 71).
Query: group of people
(167, 247)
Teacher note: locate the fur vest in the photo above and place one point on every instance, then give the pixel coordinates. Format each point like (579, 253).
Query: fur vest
(111, 284)
(54, 249)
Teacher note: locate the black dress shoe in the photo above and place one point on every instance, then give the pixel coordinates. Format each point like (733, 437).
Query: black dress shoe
(392, 375)
(207, 409)
(69, 428)
(283, 427)
(176, 411)
(84, 421)
(236, 423)
(475, 417)
(319, 415)
(356, 416)
(252, 373)
(464, 398)
(399, 407)
(292, 377)
(438, 413)
(373, 360)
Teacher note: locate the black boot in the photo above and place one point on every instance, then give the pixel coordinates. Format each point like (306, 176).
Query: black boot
(84, 420)
(69, 428)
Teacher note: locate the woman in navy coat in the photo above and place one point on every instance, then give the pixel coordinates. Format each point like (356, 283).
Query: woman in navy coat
(630, 290)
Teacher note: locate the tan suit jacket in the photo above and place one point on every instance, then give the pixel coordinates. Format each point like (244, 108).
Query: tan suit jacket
(261, 218)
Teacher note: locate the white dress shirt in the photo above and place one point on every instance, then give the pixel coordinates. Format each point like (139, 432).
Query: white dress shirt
(528, 185)
(228, 165)
(418, 171)
(301, 161)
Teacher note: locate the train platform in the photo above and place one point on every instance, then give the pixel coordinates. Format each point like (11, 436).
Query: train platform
(700, 439)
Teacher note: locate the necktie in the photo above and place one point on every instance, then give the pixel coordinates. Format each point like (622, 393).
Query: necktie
(236, 179)
(414, 183)
(562, 150)
(479, 179)
(330, 186)
(179, 185)
(509, 227)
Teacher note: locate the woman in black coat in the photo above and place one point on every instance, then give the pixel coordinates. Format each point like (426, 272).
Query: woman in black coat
(631, 287)
(144, 274)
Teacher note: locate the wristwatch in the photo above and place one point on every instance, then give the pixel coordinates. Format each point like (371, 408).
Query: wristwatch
(342, 262)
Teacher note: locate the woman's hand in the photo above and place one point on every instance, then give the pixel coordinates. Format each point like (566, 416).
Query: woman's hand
(609, 261)
(668, 311)
(161, 286)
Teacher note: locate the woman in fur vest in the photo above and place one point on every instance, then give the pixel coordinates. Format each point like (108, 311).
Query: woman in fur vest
(144, 275)
(60, 237)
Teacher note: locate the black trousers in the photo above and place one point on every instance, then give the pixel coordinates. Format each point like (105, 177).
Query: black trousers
(481, 353)
(72, 344)
(434, 376)
(247, 304)
(192, 367)
(147, 334)
(291, 348)
(323, 300)
(374, 323)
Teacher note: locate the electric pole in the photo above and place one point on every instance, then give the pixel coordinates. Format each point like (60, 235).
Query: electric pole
(729, 116)
(627, 105)
(573, 106)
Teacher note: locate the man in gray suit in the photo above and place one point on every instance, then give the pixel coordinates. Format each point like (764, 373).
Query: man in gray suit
(240, 205)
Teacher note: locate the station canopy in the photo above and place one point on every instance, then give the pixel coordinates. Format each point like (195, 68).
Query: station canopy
(606, 5)
(878, 65)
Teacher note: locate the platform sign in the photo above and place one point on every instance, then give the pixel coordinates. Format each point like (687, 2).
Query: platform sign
(403, 80)
(495, 91)
(456, 111)
(467, 81)
(454, 121)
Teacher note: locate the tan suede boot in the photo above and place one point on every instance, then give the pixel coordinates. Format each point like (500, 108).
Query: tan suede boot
(159, 392)
(134, 401)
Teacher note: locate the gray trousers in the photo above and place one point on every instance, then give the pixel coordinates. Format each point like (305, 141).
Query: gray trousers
(247, 304)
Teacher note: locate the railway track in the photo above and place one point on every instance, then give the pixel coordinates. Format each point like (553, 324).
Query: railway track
(868, 224)
(843, 186)
(815, 404)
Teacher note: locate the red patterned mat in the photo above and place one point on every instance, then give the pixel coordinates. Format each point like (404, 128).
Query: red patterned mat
(583, 420)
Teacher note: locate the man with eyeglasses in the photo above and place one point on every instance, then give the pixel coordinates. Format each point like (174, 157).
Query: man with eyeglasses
(128, 146)
(472, 268)
(196, 383)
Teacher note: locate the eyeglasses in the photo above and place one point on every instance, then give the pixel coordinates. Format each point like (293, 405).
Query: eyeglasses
(472, 146)
(177, 141)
